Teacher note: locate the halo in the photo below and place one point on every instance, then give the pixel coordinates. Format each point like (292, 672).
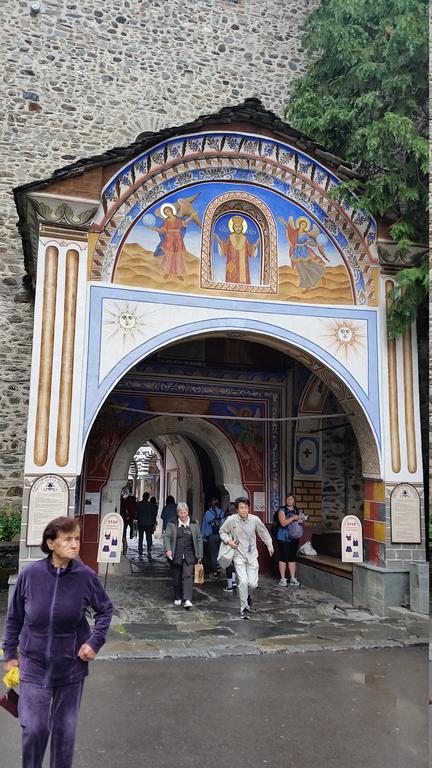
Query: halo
(231, 225)
(303, 218)
(165, 206)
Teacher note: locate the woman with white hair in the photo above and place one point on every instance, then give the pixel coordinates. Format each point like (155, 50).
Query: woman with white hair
(183, 547)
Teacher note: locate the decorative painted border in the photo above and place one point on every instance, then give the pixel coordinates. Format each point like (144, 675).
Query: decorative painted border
(366, 421)
(223, 156)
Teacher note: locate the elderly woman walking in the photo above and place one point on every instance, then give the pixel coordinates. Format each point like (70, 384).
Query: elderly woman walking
(47, 619)
(183, 547)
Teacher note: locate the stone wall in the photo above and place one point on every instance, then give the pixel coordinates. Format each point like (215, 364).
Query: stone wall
(79, 78)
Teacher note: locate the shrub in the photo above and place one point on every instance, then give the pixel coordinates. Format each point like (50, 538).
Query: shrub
(10, 524)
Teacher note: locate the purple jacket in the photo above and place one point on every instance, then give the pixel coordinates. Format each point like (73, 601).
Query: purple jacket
(47, 617)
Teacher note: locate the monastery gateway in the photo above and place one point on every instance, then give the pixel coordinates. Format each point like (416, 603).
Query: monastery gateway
(202, 291)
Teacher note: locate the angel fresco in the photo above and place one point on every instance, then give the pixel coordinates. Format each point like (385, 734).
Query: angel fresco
(307, 254)
(176, 217)
(237, 250)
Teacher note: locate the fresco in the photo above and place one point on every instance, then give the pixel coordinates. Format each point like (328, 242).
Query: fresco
(180, 389)
(175, 246)
(236, 250)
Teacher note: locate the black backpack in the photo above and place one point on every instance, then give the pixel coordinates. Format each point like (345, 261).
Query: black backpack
(216, 523)
(275, 523)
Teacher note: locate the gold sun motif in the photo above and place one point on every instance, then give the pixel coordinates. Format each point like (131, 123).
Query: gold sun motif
(125, 324)
(345, 338)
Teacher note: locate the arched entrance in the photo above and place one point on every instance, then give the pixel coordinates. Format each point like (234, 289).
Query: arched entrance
(235, 401)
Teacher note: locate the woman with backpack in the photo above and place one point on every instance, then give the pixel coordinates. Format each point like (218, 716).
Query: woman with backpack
(212, 521)
(289, 533)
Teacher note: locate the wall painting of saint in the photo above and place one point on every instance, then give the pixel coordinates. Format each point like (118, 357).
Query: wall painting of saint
(237, 250)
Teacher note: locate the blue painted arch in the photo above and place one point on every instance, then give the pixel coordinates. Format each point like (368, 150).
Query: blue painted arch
(367, 408)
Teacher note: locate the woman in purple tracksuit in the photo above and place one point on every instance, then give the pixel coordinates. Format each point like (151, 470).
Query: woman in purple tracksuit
(47, 617)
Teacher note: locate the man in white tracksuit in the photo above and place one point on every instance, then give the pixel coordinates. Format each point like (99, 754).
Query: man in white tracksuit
(239, 531)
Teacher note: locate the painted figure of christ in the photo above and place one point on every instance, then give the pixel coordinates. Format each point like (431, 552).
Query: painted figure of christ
(237, 250)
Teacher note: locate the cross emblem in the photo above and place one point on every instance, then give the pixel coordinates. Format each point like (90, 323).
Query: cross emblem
(307, 452)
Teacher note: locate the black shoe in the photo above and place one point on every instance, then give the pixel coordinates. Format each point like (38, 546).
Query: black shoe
(245, 615)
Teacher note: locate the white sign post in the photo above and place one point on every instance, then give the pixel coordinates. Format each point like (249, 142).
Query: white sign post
(352, 540)
(110, 540)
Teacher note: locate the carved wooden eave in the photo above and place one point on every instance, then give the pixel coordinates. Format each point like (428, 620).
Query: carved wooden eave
(392, 261)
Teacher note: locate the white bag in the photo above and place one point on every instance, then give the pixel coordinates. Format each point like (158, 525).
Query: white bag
(307, 549)
(225, 556)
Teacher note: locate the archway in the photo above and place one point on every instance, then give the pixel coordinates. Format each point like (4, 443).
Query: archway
(182, 409)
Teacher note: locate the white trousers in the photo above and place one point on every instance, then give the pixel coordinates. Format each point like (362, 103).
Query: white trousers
(247, 574)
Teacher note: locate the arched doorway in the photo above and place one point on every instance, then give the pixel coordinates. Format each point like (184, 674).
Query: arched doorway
(233, 407)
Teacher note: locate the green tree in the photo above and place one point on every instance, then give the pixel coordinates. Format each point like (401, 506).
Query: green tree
(365, 98)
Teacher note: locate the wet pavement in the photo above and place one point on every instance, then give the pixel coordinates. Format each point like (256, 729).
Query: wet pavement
(146, 624)
(356, 709)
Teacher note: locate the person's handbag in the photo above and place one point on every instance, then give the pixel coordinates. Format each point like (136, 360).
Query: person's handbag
(9, 702)
(225, 556)
(294, 531)
(198, 573)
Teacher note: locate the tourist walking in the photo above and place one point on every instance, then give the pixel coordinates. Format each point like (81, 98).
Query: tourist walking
(146, 514)
(239, 531)
(212, 521)
(47, 620)
(288, 537)
(169, 511)
(230, 573)
(183, 547)
(127, 512)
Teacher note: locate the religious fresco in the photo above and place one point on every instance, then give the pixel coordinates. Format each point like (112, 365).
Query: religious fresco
(219, 237)
(183, 389)
(237, 250)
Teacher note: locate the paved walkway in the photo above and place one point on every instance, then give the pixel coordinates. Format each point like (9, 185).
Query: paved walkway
(146, 624)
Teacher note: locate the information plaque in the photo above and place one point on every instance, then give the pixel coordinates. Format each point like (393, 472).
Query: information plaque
(405, 515)
(49, 498)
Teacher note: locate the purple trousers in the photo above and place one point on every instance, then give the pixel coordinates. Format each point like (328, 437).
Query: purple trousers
(44, 711)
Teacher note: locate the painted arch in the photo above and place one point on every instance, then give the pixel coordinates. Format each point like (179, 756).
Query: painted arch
(179, 179)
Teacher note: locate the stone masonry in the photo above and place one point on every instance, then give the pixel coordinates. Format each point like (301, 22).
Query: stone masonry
(81, 77)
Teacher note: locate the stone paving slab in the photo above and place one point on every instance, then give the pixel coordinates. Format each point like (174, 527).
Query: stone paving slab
(146, 624)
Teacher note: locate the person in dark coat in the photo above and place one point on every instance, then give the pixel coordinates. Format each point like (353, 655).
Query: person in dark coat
(183, 547)
(47, 619)
(127, 512)
(169, 511)
(146, 514)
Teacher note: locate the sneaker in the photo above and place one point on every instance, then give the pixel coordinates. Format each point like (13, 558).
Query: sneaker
(294, 582)
(234, 586)
(228, 589)
(245, 614)
(187, 604)
(212, 575)
(177, 602)
(283, 583)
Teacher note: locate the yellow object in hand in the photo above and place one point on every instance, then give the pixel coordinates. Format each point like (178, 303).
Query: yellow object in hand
(12, 678)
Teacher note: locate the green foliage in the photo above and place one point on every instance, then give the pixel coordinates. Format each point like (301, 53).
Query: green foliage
(409, 293)
(10, 524)
(364, 97)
